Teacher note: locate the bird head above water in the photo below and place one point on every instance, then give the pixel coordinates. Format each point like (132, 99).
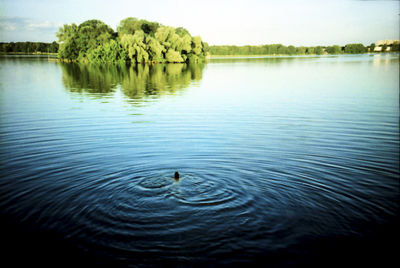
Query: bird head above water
(176, 175)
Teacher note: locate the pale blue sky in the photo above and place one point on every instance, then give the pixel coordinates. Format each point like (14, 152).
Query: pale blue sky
(289, 22)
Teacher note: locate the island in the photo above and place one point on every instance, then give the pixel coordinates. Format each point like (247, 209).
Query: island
(136, 41)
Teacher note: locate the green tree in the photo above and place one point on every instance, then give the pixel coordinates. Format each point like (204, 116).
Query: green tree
(67, 37)
(319, 50)
(164, 35)
(131, 25)
(395, 47)
(310, 50)
(182, 31)
(197, 45)
(335, 49)
(372, 47)
(301, 50)
(155, 49)
(110, 52)
(355, 48)
(76, 41)
(140, 47)
(173, 56)
(291, 50)
(136, 47)
(91, 34)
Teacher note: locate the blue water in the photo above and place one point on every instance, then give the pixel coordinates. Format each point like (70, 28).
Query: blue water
(284, 161)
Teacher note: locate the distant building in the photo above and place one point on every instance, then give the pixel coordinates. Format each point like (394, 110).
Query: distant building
(385, 43)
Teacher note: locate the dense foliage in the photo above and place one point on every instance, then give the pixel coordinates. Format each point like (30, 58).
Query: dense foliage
(396, 48)
(29, 47)
(355, 48)
(136, 41)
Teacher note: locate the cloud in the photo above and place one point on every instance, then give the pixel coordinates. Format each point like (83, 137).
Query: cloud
(39, 25)
(18, 23)
(10, 24)
(7, 26)
(20, 28)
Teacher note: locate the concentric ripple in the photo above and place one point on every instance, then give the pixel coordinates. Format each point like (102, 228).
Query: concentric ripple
(270, 169)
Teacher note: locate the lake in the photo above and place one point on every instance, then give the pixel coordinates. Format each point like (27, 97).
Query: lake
(284, 161)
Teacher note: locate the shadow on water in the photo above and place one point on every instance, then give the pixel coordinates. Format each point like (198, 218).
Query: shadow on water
(136, 81)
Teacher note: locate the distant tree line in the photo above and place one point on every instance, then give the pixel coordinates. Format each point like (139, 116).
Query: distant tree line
(394, 47)
(279, 49)
(136, 41)
(274, 49)
(28, 47)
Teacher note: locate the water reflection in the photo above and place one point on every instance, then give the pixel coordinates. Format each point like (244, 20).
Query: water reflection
(136, 81)
(378, 59)
(385, 59)
(283, 163)
(90, 78)
(257, 59)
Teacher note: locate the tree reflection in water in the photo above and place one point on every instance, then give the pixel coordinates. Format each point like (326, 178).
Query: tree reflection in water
(136, 81)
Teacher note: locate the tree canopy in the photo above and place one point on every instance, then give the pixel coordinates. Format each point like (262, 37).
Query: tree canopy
(136, 41)
(355, 48)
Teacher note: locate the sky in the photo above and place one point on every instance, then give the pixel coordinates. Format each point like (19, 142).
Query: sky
(218, 22)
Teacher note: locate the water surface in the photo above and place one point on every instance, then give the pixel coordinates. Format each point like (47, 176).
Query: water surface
(284, 161)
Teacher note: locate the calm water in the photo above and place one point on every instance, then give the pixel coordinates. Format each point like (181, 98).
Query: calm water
(284, 161)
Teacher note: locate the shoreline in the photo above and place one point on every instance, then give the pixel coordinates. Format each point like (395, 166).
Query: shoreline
(32, 53)
(294, 55)
(53, 56)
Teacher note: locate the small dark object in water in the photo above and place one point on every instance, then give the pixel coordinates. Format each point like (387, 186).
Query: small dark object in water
(176, 175)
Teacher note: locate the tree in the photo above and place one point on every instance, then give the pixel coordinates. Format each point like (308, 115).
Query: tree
(110, 52)
(291, 50)
(76, 41)
(396, 47)
(311, 50)
(53, 47)
(196, 45)
(135, 46)
(182, 31)
(128, 26)
(164, 35)
(131, 25)
(372, 47)
(173, 56)
(355, 48)
(91, 34)
(319, 50)
(67, 36)
(301, 50)
(66, 32)
(335, 49)
(140, 47)
(156, 50)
